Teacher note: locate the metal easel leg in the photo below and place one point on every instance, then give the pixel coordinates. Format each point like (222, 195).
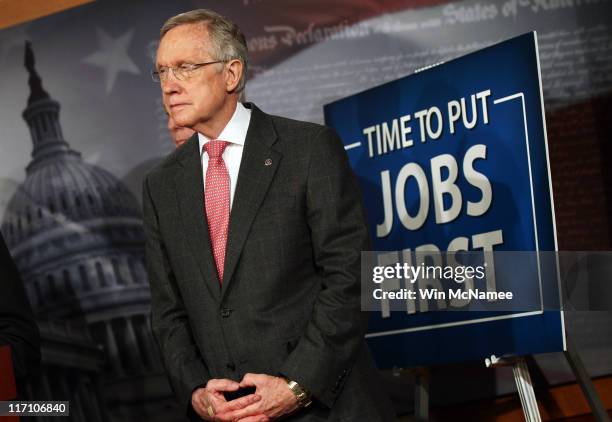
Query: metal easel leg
(525, 390)
(523, 382)
(582, 377)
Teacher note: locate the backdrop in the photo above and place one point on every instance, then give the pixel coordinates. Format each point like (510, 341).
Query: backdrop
(94, 125)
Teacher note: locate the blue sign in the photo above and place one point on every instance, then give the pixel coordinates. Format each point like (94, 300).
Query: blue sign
(455, 158)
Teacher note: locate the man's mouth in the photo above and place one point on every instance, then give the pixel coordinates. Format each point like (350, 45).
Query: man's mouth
(177, 106)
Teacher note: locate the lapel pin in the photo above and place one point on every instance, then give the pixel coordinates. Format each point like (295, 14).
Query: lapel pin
(268, 162)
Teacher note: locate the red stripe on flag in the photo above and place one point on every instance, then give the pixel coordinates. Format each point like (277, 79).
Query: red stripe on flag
(8, 388)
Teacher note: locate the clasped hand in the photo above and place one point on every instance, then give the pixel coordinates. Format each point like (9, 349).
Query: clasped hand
(271, 400)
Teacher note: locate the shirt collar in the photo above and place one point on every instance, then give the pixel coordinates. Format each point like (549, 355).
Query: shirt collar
(236, 129)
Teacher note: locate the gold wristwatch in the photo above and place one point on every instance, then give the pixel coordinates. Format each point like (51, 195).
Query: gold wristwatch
(301, 394)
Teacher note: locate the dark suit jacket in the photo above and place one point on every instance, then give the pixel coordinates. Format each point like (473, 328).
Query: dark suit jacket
(17, 326)
(289, 302)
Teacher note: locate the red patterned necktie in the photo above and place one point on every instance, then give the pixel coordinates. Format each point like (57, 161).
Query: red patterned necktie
(217, 201)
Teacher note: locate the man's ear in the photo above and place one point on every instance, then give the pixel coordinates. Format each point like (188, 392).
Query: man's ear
(234, 73)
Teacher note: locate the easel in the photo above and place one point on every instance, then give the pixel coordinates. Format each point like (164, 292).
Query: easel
(523, 382)
(524, 386)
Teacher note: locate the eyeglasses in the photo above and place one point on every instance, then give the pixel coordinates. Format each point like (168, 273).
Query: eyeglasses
(182, 72)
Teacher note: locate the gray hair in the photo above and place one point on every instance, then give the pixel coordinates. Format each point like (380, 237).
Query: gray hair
(227, 39)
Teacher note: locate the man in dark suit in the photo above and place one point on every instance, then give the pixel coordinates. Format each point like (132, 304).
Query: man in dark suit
(17, 326)
(254, 231)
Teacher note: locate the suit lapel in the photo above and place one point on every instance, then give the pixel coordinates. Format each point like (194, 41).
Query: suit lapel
(190, 196)
(257, 168)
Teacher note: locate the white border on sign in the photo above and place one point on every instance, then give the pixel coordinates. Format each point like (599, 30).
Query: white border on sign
(535, 226)
(550, 189)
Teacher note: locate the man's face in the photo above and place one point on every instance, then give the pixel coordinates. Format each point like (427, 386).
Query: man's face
(198, 99)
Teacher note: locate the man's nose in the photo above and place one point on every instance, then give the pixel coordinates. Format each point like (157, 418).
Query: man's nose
(170, 84)
(170, 87)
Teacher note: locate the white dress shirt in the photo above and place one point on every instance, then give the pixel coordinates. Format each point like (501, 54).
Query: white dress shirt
(234, 132)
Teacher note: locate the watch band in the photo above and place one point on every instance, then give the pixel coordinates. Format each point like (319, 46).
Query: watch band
(301, 394)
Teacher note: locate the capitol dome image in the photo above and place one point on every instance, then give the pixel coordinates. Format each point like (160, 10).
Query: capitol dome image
(75, 233)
